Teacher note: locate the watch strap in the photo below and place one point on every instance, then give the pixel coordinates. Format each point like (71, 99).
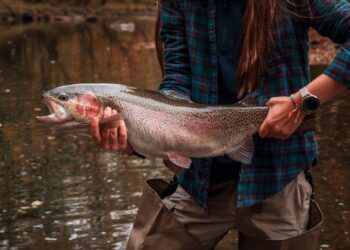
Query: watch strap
(304, 93)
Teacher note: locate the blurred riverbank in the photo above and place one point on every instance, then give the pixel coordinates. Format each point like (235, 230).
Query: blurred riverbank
(26, 11)
(322, 50)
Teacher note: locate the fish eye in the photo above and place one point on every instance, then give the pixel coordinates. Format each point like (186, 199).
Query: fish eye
(63, 97)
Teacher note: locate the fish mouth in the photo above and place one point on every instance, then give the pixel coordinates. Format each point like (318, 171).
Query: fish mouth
(58, 113)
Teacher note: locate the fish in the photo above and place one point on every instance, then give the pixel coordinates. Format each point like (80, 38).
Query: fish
(160, 124)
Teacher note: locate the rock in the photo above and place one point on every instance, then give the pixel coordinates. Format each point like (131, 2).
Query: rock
(123, 26)
(5, 18)
(77, 18)
(27, 18)
(36, 204)
(43, 18)
(24, 209)
(62, 18)
(91, 19)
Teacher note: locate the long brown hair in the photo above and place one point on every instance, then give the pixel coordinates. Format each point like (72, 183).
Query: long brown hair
(256, 38)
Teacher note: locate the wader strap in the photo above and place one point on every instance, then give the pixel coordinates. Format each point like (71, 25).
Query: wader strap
(171, 188)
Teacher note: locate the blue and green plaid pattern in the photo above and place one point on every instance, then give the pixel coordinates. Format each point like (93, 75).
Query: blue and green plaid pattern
(188, 33)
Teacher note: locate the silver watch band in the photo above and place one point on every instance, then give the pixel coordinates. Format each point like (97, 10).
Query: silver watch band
(304, 93)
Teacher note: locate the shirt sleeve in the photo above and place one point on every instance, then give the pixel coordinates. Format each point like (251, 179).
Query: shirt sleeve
(331, 18)
(177, 75)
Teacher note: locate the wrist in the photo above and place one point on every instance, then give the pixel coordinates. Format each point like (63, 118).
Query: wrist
(297, 111)
(297, 99)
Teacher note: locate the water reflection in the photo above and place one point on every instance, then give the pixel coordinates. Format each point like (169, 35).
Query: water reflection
(333, 172)
(90, 197)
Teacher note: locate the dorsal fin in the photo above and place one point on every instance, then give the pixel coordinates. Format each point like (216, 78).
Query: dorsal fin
(172, 94)
(248, 101)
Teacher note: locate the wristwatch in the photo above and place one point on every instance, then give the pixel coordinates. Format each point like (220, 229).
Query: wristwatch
(309, 102)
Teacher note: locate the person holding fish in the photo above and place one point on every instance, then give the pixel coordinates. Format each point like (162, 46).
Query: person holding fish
(217, 52)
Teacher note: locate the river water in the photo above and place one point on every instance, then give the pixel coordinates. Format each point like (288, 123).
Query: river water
(58, 191)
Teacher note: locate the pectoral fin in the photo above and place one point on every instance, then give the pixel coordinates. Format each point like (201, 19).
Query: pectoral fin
(179, 160)
(112, 121)
(243, 152)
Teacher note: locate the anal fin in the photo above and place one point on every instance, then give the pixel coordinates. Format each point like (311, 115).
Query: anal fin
(179, 160)
(243, 152)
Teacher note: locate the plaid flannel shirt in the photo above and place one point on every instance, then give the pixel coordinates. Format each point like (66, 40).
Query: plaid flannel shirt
(188, 33)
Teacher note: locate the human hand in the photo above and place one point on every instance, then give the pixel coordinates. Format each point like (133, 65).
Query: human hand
(110, 138)
(282, 120)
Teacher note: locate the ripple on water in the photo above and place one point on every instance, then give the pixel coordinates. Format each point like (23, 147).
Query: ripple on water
(117, 215)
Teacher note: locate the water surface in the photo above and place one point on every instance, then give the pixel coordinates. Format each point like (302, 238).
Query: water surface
(90, 197)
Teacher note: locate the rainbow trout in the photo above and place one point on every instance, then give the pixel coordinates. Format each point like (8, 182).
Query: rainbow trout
(159, 125)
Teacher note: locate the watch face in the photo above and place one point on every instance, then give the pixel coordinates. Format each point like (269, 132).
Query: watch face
(311, 104)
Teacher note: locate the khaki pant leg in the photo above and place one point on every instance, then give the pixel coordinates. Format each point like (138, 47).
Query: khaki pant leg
(155, 227)
(207, 228)
(284, 221)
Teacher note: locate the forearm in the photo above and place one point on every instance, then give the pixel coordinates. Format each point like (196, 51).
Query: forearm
(324, 87)
(281, 122)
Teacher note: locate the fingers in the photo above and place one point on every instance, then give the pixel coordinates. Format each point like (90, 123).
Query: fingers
(105, 142)
(264, 129)
(113, 135)
(271, 127)
(282, 119)
(282, 129)
(124, 146)
(123, 138)
(95, 130)
(293, 123)
(272, 101)
(110, 138)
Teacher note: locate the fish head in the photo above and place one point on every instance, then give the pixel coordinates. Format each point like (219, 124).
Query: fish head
(69, 108)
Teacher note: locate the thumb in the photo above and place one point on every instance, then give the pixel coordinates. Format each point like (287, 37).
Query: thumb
(263, 130)
(272, 101)
(95, 129)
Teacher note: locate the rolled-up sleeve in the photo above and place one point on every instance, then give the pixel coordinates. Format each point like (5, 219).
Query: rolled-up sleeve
(331, 18)
(177, 75)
